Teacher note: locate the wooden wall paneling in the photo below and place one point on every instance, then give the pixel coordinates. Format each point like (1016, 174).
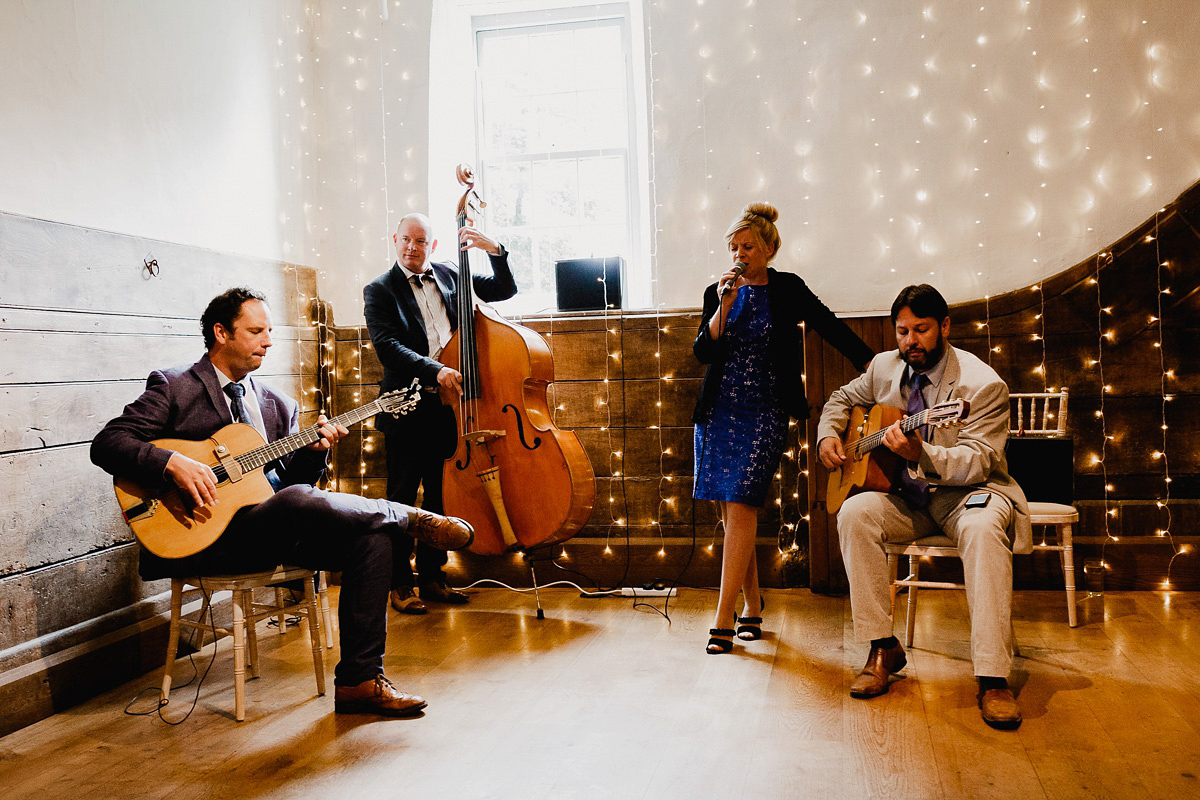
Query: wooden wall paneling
(55, 506)
(50, 265)
(653, 492)
(36, 607)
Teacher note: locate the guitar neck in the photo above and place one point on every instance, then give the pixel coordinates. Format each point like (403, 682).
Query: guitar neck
(253, 459)
(908, 425)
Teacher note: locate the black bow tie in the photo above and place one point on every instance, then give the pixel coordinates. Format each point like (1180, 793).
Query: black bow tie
(421, 277)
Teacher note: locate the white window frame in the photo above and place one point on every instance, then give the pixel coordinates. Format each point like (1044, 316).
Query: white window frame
(455, 127)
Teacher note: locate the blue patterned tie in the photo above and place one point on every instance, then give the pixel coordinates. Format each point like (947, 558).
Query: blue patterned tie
(235, 392)
(914, 491)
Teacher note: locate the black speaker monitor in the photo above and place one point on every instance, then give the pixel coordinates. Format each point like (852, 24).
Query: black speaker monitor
(589, 284)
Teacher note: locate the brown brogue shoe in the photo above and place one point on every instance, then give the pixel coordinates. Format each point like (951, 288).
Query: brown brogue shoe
(881, 663)
(377, 696)
(439, 592)
(406, 601)
(999, 709)
(443, 533)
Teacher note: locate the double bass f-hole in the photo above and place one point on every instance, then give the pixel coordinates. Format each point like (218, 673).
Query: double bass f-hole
(537, 440)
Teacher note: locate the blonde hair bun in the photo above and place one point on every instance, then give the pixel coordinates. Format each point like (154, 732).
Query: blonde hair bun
(764, 210)
(759, 219)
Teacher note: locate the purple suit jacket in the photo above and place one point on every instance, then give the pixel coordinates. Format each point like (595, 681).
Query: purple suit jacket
(187, 403)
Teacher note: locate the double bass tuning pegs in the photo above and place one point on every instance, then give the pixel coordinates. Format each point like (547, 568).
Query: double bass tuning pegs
(470, 199)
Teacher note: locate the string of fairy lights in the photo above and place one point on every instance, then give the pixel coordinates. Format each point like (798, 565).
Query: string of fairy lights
(1156, 320)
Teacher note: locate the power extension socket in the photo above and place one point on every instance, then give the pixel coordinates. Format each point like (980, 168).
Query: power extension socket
(637, 591)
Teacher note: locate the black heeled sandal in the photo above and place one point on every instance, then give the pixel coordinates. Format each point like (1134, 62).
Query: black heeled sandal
(752, 625)
(722, 645)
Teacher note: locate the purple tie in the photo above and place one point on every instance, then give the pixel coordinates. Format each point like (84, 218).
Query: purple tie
(235, 392)
(914, 491)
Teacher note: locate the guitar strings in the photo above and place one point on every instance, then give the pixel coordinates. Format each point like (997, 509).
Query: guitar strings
(271, 451)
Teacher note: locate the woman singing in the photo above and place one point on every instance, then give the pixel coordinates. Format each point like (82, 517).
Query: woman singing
(750, 340)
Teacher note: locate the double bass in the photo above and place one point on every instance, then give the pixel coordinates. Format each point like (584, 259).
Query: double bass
(519, 480)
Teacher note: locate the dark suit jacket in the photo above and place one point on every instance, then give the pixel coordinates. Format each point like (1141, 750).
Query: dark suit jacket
(398, 330)
(187, 403)
(791, 302)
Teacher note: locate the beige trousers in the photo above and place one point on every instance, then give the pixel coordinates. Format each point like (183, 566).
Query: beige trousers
(867, 520)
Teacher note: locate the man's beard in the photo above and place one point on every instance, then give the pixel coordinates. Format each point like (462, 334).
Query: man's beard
(922, 360)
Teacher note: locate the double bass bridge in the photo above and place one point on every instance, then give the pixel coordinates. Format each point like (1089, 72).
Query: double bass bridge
(483, 437)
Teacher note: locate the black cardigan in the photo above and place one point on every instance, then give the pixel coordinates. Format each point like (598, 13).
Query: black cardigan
(791, 302)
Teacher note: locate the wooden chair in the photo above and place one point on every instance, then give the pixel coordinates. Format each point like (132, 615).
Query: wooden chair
(246, 613)
(1034, 416)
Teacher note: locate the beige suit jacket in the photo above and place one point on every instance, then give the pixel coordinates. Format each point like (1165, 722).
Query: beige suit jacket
(971, 454)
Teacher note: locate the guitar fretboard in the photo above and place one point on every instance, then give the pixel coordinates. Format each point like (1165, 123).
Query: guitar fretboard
(253, 459)
(873, 440)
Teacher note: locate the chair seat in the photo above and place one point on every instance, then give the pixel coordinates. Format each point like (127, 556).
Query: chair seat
(1052, 514)
(918, 546)
(250, 580)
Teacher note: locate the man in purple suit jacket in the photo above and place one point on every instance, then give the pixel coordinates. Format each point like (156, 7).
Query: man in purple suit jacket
(299, 524)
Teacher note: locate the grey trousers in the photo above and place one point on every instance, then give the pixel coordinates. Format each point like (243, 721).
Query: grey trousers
(868, 520)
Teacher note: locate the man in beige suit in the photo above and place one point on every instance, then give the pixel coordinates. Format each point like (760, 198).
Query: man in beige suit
(956, 483)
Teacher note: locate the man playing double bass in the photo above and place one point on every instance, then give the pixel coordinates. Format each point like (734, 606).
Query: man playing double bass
(411, 312)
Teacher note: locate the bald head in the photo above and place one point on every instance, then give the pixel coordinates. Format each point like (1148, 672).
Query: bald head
(414, 242)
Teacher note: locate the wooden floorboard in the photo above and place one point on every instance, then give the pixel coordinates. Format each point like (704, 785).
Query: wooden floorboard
(602, 699)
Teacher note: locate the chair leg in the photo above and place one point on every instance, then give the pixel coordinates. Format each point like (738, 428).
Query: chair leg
(172, 638)
(910, 620)
(894, 570)
(314, 633)
(326, 614)
(239, 653)
(251, 632)
(1067, 554)
(280, 618)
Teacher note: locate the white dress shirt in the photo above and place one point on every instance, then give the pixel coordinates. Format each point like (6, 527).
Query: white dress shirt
(433, 310)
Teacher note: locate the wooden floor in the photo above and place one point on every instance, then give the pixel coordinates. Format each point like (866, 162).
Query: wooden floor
(602, 700)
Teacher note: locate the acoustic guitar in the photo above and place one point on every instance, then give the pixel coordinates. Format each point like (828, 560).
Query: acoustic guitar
(170, 525)
(870, 468)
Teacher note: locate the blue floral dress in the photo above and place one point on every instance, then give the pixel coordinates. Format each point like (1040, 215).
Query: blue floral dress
(737, 449)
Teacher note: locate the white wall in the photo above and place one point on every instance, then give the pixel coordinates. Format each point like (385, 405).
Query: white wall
(160, 118)
(977, 146)
(903, 141)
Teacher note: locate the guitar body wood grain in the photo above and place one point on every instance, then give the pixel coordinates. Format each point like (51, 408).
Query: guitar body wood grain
(176, 528)
(874, 470)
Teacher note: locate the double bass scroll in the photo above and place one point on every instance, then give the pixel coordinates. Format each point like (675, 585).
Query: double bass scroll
(520, 481)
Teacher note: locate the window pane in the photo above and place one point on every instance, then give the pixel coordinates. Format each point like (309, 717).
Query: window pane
(508, 193)
(555, 192)
(556, 138)
(602, 185)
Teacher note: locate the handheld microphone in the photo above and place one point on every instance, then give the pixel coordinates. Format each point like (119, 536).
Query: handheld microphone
(738, 268)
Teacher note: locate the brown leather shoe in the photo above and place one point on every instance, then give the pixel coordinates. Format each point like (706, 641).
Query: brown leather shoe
(376, 696)
(441, 593)
(881, 662)
(443, 533)
(999, 709)
(406, 601)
